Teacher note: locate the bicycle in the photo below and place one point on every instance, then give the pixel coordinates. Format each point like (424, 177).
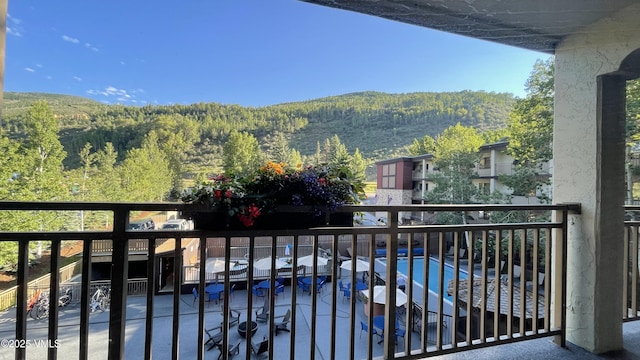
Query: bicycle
(65, 298)
(38, 305)
(32, 302)
(101, 299)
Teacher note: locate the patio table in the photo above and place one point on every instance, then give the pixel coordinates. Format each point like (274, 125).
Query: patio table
(360, 285)
(214, 289)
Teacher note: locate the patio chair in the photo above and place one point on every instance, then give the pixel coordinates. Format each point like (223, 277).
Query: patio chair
(214, 337)
(279, 290)
(260, 348)
(234, 318)
(282, 325)
(365, 327)
(233, 350)
(262, 314)
(303, 286)
(346, 291)
(196, 295)
(231, 289)
(258, 291)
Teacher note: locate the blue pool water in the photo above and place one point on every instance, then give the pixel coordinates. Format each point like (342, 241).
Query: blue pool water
(434, 268)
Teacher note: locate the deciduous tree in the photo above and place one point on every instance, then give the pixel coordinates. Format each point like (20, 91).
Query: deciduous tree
(241, 153)
(531, 131)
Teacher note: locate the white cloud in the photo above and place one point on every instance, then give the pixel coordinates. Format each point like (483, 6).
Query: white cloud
(70, 39)
(29, 69)
(14, 20)
(88, 46)
(121, 62)
(49, 77)
(39, 65)
(120, 95)
(13, 26)
(13, 31)
(77, 78)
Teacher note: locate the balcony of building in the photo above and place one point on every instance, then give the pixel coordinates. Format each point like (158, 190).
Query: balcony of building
(454, 277)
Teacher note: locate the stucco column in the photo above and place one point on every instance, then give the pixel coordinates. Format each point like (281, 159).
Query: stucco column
(589, 168)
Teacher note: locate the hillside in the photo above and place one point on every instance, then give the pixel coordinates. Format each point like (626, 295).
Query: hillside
(379, 124)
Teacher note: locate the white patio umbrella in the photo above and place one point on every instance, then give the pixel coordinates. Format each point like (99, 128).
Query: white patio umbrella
(360, 266)
(308, 261)
(380, 295)
(265, 263)
(214, 266)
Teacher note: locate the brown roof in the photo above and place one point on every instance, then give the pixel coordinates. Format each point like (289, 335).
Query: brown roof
(463, 296)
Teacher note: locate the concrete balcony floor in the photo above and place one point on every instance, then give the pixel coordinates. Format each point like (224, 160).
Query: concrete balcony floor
(546, 349)
(162, 332)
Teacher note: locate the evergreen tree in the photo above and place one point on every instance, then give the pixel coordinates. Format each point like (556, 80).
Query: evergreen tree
(339, 156)
(278, 149)
(295, 159)
(358, 166)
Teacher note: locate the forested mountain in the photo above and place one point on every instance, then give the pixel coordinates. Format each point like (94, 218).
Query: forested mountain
(379, 124)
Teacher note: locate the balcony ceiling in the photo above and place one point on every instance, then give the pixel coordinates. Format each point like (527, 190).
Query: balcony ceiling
(532, 24)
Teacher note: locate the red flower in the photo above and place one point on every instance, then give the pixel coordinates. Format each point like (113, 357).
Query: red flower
(217, 194)
(321, 181)
(228, 194)
(247, 221)
(254, 211)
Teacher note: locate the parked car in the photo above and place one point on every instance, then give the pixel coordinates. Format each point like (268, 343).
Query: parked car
(178, 224)
(142, 225)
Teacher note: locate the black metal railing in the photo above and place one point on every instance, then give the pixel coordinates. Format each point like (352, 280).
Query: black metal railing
(479, 284)
(631, 274)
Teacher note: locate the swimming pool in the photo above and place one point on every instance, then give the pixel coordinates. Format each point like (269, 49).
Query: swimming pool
(434, 268)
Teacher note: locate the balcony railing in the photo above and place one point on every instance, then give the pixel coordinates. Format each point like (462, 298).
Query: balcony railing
(476, 285)
(631, 277)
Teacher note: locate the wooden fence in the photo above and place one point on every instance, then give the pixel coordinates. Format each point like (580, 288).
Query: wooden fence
(8, 297)
(136, 287)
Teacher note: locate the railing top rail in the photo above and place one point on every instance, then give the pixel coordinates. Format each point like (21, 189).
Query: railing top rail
(107, 206)
(175, 206)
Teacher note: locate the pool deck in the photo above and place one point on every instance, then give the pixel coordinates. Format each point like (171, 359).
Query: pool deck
(162, 332)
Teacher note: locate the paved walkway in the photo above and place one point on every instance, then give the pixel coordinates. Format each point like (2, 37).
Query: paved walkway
(163, 324)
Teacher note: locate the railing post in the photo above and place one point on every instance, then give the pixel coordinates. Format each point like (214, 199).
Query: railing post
(119, 270)
(21, 301)
(391, 273)
(559, 276)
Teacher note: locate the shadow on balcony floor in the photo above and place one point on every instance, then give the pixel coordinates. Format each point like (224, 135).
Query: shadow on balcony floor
(546, 349)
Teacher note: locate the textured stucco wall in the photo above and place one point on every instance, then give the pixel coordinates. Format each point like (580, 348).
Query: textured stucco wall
(594, 295)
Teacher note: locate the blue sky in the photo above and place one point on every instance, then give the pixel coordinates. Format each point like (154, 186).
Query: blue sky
(247, 52)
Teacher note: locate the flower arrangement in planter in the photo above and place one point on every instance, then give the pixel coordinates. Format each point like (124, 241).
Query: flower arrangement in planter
(249, 199)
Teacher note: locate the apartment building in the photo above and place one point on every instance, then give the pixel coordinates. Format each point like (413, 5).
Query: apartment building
(407, 180)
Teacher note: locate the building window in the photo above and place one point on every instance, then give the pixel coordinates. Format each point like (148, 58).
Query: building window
(389, 176)
(485, 162)
(485, 188)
